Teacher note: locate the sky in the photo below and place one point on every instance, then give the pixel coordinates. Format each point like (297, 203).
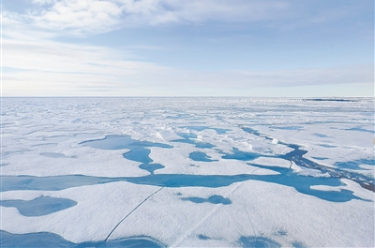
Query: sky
(254, 48)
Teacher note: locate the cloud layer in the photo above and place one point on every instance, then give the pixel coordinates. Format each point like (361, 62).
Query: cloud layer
(54, 68)
(37, 63)
(94, 16)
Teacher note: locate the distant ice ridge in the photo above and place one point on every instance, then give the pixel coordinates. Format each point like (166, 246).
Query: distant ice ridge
(173, 171)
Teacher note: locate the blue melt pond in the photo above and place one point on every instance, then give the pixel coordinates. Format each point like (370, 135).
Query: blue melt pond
(286, 177)
(203, 237)
(151, 167)
(258, 242)
(201, 157)
(142, 155)
(40, 206)
(137, 152)
(303, 184)
(138, 155)
(46, 239)
(214, 199)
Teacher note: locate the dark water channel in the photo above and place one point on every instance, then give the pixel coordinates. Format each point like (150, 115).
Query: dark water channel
(286, 177)
(296, 156)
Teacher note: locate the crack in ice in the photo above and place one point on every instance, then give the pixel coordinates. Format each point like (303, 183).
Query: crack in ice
(148, 197)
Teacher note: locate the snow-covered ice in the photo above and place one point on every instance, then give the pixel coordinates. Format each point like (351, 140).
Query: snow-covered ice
(187, 172)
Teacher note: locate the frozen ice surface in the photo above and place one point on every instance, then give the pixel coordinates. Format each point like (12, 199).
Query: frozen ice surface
(187, 172)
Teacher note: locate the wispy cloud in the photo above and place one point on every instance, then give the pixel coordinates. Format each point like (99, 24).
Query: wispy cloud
(36, 64)
(79, 16)
(92, 16)
(82, 17)
(86, 17)
(54, 68)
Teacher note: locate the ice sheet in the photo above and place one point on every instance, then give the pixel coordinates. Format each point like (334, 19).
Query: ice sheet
(197, 172)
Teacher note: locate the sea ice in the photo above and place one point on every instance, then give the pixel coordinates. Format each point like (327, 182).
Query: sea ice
(187, 172)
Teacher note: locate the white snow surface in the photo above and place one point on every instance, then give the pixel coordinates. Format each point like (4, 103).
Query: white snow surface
(46, 137)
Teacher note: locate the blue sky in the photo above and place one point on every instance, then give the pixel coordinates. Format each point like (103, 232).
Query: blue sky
(258, 48)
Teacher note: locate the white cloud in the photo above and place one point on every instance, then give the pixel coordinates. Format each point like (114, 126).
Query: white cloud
(79, 16)
(98, 16)
(34, 65)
